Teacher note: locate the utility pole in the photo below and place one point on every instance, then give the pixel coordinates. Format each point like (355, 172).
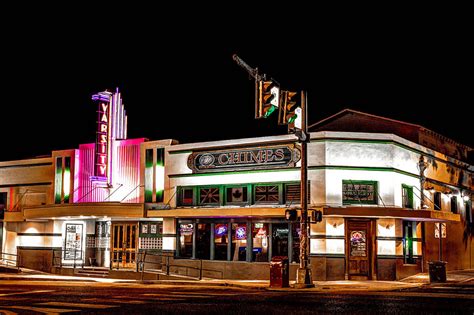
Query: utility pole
(303, 274)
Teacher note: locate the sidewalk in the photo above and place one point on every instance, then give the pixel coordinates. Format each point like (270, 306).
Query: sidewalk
(418, 280)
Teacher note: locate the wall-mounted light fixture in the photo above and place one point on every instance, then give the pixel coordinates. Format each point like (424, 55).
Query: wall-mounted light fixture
(466, 196)
(448, 193)
(431, 189)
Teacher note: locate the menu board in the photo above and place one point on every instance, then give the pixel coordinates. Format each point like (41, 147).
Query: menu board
(73, 245)
(358, 243)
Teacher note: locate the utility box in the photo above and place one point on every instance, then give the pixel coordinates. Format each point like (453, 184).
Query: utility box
(437, 270)
(279, 272)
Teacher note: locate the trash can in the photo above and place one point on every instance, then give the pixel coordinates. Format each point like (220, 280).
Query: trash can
(279, 272)
(437, 270)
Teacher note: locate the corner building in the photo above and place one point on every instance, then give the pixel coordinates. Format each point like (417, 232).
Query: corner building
(220, 206)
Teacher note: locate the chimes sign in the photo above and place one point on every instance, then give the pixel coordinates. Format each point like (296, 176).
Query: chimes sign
(102, 144)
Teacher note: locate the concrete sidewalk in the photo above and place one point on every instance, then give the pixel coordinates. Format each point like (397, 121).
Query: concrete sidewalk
(421, 279)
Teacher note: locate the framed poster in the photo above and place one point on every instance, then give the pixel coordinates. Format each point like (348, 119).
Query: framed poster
(73, 243)
(153, 228)
(145, 228)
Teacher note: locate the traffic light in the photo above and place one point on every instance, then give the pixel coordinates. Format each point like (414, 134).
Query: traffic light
(288, 105)
(267, 98)
(316, 216)
(291, 214)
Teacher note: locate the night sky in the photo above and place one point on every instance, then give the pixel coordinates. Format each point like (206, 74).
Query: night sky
(184, 84)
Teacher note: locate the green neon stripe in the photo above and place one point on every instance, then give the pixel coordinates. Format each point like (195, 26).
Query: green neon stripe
(58, 181)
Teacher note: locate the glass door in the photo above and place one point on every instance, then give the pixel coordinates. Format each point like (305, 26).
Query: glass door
(124, 244)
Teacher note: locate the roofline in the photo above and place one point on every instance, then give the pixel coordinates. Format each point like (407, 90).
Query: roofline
(348, 110)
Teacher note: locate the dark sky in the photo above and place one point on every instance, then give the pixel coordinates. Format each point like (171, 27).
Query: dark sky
(181, 82)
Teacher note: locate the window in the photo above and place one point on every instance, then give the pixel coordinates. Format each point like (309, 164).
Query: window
(221, 241)
(359, 192)
(454, 204)
(186, 197)
(293, 193)
(209, 196)
(467, 206)
(3, 204)
(437, 200)
(409, 229)
(407, 196)
(185, 240)
(260, 242)
(267, 194)
(236, 195)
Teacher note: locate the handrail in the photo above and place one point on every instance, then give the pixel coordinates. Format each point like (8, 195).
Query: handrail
(10, 261)
(434, 205)
(142, 261)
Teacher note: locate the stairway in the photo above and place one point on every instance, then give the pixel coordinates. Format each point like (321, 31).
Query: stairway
(92, 272)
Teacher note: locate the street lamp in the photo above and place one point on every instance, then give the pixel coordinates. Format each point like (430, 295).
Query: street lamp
(422, 166)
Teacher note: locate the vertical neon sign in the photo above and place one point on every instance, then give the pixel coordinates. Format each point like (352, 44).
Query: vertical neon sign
(102, 144)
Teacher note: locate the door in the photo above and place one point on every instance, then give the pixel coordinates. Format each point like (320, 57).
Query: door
(359, 249)
(124, 245)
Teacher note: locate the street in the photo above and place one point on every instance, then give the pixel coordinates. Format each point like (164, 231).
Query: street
(60, 297)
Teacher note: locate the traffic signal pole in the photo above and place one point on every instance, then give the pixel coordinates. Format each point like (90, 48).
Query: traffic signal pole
(303, 274)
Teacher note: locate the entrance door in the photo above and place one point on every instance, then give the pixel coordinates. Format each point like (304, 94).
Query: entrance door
(124, 244)
(359, 249)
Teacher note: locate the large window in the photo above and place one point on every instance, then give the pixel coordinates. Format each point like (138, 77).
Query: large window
(407, 196)
(359, 192)
(240, 194)
(229, 240)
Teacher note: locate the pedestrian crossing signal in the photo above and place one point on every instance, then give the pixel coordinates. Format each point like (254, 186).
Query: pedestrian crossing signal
(290, 214)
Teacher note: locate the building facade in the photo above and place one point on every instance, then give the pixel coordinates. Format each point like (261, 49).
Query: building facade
(219, 207)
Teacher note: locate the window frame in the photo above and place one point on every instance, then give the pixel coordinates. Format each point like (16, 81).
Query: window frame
(409, 190)
(237, 203)
(358, 201)
(280, 193)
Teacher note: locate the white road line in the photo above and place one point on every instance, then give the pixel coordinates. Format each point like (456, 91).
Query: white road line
(27, 292)
(49, 311)
(83, 305)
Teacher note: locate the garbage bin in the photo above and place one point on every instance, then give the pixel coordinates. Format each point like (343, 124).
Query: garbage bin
(279, 272)
(437, 270)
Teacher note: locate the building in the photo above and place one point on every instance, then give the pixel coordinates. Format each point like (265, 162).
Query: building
(219, 207)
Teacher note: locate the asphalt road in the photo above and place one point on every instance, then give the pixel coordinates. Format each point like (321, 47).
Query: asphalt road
(57, 297)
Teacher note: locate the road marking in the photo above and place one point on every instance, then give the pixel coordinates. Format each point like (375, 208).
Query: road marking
(27, 292)
(5, 312)
(84, 305)
(49, 311)
(115, 300)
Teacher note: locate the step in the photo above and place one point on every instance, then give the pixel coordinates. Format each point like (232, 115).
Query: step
(92, 272)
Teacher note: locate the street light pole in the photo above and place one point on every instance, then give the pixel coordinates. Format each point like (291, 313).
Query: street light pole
(303, 274)
(422, 165)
